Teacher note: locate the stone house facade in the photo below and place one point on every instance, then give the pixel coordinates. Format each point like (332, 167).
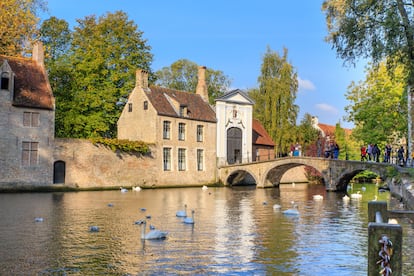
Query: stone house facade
(181, 126)
(27, 118)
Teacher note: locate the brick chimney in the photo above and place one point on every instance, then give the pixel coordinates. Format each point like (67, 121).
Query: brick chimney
(141, 79)
(201, 84)
(38, 54)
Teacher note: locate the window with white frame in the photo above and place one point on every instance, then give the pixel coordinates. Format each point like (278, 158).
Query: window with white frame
(167, 159)
(166, 130)
(30, 153)
(200, 133)
(200, 159)
(181, 159)
(31, 119)
(181, 131)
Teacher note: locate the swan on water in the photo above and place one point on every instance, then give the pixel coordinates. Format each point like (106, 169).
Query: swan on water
(93, 228)
(345, 198)
(189, 220)
(317, 197)
(38, 219)
(136, 189)
(153, 234)
(123, 190)
(363, 188)
(293, 211)
(204, 187)
(182, 213)
(357, 195)
(276, 207)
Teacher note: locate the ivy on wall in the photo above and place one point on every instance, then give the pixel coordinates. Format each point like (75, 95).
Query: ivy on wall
(122, 145)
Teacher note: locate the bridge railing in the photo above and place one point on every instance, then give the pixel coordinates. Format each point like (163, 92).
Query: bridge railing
(384, 241)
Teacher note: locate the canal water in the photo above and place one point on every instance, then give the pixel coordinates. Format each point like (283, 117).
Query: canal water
(236, 232)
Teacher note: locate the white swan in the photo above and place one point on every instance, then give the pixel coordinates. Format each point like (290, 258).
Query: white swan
(292, 212)
(356, 196)
(136, 189)
(38, 219)
(317, 197)
(363, 188)
(276, 207)
(182, 213)
(204, 187)
(189, 220)
(123, 190)
(345, 198)
(153, 234)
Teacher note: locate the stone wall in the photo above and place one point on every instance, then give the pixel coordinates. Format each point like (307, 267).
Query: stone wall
(91, 166)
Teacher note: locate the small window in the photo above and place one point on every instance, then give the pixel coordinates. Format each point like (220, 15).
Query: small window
(30, 152)
(166, 130)
(200, 160)
(5, 81)
(129, 107)
(167, 159)
(31, 119)
(181, 131)
(199, 133)
(181, 160)
(183, 111)
(145, 105)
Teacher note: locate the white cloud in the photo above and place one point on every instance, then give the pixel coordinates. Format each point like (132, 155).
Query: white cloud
(327, 108)
(305, 85)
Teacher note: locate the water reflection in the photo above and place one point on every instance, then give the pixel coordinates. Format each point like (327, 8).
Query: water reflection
(236, 230)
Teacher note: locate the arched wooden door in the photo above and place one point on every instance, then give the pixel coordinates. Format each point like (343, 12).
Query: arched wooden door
(234, 145)
(59, 172)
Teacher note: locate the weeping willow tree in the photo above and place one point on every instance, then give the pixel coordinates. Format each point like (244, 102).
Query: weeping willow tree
(274, 99)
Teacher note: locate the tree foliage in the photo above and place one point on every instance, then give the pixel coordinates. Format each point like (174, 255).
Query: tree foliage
(380, 30)
(182, 75)
(307, 134)
(275, 97)
(379, 106)
(96, 71)
(18, 25)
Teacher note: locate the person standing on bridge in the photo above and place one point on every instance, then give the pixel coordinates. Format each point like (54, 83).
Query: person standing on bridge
(401, 156)
(363, 153)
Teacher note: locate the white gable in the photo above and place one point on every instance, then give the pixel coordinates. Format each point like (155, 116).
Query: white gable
(236, 96)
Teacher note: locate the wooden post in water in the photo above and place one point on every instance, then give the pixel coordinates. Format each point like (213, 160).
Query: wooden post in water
(384, 240)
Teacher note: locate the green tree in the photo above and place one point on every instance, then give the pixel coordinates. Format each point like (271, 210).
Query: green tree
(182, 75)
(378, 106)
(307, 134)
(18, 25)
(97, 71)
(274, 100)
(374, 29)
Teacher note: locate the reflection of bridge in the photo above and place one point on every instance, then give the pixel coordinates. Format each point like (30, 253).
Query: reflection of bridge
(336, 173)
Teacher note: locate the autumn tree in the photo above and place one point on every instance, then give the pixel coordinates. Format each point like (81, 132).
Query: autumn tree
(379, 105)
(378, 30)
(97, 72)
(18, 25)
(182, 75)
(275, 97)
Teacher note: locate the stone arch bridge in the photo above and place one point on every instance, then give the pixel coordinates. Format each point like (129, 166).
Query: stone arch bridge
(336, 173)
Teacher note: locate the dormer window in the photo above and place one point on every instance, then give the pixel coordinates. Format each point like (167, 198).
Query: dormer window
(183, 111)
(5, 81)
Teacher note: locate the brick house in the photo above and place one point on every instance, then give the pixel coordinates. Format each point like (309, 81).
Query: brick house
(263, 147)
(27, 117)
(180, 125)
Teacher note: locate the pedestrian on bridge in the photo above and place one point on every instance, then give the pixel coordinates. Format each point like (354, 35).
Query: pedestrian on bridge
(363, 153)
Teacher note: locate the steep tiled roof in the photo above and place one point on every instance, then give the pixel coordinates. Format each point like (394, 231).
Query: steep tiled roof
(197, 108)
(260, 135)
(330, 130)
(31, 87)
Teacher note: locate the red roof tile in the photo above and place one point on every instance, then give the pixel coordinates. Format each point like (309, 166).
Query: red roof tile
(31, 86)
(197, 108)
(260, 135)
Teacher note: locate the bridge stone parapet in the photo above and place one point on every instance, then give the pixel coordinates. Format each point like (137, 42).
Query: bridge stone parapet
(336, 173)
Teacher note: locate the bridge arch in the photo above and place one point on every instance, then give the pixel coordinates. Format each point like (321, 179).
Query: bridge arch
(336, 173)
(241, 177)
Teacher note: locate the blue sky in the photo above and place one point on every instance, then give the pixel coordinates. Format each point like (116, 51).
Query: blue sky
(232, 36)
